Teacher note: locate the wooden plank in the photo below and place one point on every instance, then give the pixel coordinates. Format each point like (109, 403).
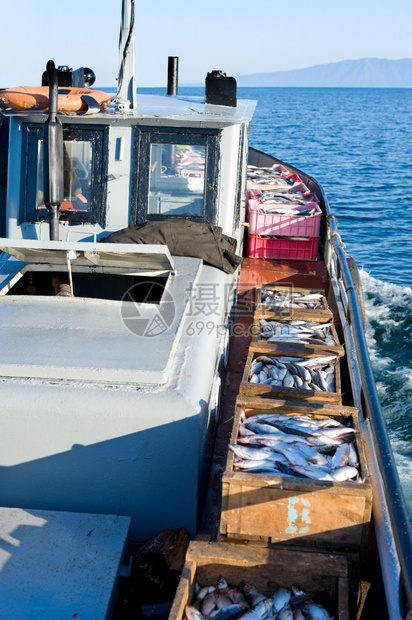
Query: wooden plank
(321, 316)
(289, 405)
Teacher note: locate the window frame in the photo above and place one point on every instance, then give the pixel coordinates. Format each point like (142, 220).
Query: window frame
(99, 138)
(143, 138)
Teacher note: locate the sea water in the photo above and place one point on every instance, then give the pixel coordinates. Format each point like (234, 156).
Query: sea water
(357, 143)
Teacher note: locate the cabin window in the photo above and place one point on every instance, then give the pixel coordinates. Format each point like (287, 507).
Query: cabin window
(84, 170)
(177, 175)
(177, 179)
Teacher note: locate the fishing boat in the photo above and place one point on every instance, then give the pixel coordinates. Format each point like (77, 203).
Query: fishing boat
(130, 279)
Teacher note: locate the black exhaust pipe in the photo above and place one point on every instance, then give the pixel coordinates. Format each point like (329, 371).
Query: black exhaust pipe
(172, 71)
(53, 156)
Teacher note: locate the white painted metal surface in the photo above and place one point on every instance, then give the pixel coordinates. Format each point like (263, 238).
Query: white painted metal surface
(96, 446)
(85, 339)
(59, 565)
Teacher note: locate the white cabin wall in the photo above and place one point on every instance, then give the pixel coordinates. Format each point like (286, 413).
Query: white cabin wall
(229, 149)
(13, 180)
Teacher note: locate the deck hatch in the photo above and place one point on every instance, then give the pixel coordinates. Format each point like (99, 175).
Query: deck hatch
(109, 257)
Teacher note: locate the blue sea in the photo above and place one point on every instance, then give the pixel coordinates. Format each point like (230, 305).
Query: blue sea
(357, 143)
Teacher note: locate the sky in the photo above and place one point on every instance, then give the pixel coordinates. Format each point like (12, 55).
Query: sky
(236, 36)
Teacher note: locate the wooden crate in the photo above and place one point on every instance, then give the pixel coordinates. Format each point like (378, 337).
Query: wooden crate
(337, 348)
(322, 574)
(266, 310)
(290, 350)
(297, 510)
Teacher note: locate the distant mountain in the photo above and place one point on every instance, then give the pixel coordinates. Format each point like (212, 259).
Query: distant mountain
(364, 73)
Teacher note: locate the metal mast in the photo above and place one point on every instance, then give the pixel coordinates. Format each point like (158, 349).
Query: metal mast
(126, 89)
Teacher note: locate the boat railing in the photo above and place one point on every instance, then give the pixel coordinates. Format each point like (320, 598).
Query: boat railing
(390, 512)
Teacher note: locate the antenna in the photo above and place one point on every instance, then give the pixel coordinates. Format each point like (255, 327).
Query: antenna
(126, 88)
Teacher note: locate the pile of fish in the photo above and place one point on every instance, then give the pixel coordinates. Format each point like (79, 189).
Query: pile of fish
(288, 298)
(272, 175)
(296, 331)
(225, 601)
(289, 199)
(313, 373)
(296, 446)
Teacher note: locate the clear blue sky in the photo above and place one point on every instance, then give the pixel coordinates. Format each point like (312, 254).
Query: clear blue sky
(236, 36)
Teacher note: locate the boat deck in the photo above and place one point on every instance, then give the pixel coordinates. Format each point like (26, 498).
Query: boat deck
(254, 273)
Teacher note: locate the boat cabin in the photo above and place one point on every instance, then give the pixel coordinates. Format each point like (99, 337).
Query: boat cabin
(169, 158)
(113, 351)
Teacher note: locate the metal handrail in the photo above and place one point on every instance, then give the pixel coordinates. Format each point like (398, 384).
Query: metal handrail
(401, 525)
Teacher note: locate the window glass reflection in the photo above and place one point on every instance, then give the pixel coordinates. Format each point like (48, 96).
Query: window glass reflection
(77, 163)
(177, 177)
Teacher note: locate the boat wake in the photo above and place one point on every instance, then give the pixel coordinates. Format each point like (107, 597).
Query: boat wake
(389, 318)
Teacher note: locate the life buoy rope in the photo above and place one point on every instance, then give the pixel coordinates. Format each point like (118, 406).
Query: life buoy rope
(37, 98)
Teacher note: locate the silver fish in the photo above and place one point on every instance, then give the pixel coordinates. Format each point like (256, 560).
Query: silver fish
(252, 594)
(315, 612)
(204, 591)
(353, 459)
(341, 456)
(285, 614)
(280, 599)
(228, 612)
(261, 610)
(192, 613)
(344, 473)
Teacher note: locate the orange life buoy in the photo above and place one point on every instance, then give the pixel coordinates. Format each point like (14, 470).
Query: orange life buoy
(37, 98)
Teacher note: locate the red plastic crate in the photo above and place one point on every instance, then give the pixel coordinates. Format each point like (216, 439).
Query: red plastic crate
(283, 225)
(287, 248)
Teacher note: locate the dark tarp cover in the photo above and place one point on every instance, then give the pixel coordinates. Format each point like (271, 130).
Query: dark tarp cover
(184, 238)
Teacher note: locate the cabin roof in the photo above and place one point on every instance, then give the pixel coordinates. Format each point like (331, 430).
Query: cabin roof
(152, 109)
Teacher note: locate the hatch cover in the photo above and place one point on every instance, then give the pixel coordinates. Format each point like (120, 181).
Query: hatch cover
(139, 258)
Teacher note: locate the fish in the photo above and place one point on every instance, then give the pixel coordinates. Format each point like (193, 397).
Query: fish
(265, 464)
(313, 611)
(233, 610)
(214, 602)
(341, 456)
(222, 586)
(342, 474)
(315, 472)
(256, 367)
(353, 459)
(192, 613)
(248, 603)
(261, 610)
(280, 599)
(261, 428)
(253, 454)
(285, 614)
(252, 594)
(237, 596)
(204, 591)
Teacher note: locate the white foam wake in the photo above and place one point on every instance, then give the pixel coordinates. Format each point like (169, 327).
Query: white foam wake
(389, 307)
(389, 318)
